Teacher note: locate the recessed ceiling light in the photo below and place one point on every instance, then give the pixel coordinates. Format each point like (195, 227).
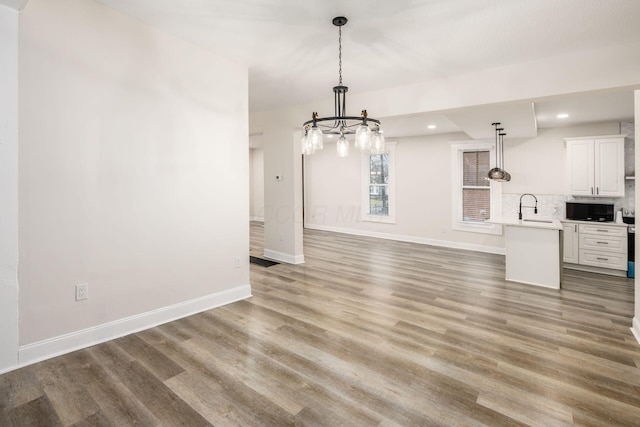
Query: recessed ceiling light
(431, 126)
(562, 116)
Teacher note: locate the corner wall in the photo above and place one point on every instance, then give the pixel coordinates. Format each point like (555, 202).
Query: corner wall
(133, 175)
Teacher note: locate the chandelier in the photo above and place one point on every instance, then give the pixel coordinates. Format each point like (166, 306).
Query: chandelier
(368, 133)
(498, 173)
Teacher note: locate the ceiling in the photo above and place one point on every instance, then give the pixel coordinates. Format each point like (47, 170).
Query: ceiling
(291, 49)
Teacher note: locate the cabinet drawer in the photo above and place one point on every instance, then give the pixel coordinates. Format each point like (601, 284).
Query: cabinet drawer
(603, 243)
(602, 259)
(603, 230)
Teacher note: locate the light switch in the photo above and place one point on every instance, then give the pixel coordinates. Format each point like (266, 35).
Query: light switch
(278, 177)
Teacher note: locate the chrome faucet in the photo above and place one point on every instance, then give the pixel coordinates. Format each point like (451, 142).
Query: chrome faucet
(535, 208)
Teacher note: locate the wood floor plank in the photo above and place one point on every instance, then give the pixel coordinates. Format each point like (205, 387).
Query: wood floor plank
(153, 360)
(35, 413)
(18, 387)
(147, 388)
(117, 403)
(58, 378)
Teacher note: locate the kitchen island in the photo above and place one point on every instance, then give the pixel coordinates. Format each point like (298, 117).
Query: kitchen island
(533, 250)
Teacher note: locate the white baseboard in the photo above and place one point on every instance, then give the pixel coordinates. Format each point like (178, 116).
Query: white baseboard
(256, 218)
(635, 329)
(56, 346)
(282, 257)
(411, 239)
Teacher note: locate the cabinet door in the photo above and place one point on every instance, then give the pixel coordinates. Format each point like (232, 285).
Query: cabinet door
(570, 247)
(580, 158)
(609, 167)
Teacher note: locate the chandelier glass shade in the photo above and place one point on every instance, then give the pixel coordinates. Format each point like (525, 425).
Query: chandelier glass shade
(367, 131)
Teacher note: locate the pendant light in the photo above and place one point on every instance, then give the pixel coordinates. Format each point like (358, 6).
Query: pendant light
(498, 173)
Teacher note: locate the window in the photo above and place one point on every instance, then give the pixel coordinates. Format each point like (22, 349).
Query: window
(378, 186)
(474, 197)
(476, 192)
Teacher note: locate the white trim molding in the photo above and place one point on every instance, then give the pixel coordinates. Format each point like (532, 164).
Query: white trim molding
(635, 329)
(56, 346)
(411, 239)
(257, 218)
(282, 257)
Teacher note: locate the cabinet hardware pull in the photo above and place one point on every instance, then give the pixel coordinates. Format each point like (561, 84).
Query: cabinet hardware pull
(602, 243)
(576, 227)
(602, 259)
(603, 231)
(591, 190)
(597, 190)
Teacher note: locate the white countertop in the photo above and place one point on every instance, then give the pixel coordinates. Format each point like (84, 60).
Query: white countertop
(615, 224)
(530, 222)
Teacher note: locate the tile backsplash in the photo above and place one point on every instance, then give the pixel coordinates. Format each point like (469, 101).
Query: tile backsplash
(553, 205)
(549, 205)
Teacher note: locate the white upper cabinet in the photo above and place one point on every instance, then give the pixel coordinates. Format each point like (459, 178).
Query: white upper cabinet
(596, 166)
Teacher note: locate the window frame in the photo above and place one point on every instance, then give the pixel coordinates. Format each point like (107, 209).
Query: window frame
(391, 186)
(458, 148)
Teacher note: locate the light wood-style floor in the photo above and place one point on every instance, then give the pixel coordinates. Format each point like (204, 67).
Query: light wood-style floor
(367, 332)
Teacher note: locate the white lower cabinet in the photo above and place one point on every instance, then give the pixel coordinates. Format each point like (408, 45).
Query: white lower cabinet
(603, 246)
(599, 246)
(605, 260)
(570, 242)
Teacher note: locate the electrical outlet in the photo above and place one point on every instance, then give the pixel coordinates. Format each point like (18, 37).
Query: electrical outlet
(237, 262)
(82, 291)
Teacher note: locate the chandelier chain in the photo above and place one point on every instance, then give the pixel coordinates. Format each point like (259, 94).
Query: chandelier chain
(340, 53)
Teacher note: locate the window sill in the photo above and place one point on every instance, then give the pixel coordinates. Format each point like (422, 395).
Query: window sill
(477, 227)
(379, 218)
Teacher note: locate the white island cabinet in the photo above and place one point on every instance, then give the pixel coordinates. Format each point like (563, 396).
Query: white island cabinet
(533, 250)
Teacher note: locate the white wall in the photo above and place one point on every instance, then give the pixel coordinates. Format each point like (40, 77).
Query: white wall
(257, 184)
(423, 185)
(525, 159)
(134, 175)
(8, 188)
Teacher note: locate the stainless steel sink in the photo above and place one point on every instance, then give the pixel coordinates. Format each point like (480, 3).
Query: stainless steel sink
(544, 221)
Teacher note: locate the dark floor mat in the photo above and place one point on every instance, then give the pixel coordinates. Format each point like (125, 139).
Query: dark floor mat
(262, 262)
